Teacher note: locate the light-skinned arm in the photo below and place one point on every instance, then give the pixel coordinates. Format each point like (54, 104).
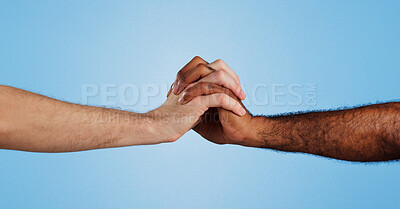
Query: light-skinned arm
(32, 122)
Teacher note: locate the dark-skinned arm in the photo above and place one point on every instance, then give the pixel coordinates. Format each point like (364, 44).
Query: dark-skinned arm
(369, 133)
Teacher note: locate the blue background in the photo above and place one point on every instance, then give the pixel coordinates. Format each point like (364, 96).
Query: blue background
(349, 49)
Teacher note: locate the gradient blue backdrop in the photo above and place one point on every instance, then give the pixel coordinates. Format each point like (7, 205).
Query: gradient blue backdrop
(350, 49)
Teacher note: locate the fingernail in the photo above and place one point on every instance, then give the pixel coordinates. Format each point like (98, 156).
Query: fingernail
(173, 86)
(180, 100)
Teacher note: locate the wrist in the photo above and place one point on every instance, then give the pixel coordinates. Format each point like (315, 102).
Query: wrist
(258, 126)
(158, 125)
(143, 129)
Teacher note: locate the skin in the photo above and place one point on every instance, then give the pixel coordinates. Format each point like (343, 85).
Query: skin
(366, 134)
(32, 122)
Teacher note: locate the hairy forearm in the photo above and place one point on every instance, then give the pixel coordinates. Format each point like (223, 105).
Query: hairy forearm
(370, 133)
(33, 122)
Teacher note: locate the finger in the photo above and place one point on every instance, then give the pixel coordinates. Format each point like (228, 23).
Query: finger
(201, 70)
(170, 90)
(219, 100)
(203, 89)
(221, 65)
(193, 63)
(222, 78)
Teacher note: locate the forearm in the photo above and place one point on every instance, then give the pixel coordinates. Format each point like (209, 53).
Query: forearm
(370, 133)
(33, 122)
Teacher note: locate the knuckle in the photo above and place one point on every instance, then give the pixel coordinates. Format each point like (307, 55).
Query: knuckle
(220, 62)
(179, 74)
(219, 75)
(198, 59)
(203, 86)
(222, 99)
(210, 86)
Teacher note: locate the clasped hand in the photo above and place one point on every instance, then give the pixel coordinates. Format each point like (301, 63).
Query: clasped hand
(205, 97)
